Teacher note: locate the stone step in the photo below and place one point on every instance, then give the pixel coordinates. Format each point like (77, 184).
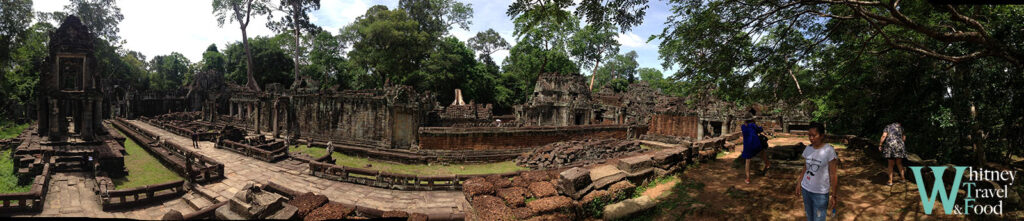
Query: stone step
(197, 201)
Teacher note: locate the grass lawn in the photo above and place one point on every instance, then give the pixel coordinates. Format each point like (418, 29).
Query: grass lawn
(143, 168)
(8, 178)
(416, 169)
(11, 130)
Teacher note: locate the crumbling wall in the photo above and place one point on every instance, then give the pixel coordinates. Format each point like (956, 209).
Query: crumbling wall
(449, 138)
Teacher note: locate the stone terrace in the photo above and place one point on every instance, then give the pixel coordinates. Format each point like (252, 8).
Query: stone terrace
(240, 169)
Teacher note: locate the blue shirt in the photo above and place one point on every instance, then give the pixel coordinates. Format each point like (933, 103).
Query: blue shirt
(750, 139)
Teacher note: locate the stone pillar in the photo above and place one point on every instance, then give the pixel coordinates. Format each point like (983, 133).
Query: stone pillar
(273, 123)
(56, 120)
(725, 125)
(700, 129)
(85, 122)
(231, 109)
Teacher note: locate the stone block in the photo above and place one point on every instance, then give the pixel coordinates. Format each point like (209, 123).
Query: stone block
(307, 202)
(522, 213)
(395, 214)
(498, 181)
(626, 207)
(542, 189)
(636, 163)
(491, 208)
(665, 158)
(594, 195)
(574, 181)
(622, 187)
(476, 186)
(550, 204)
(514, 196)
(331, 211)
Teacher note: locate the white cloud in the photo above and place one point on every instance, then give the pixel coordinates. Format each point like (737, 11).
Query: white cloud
(631, 40)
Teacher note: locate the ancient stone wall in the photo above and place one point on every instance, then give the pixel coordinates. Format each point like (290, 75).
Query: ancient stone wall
(674, 125)
(447, 138)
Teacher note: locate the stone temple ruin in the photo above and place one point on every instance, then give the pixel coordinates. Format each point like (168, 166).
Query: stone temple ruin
(576, 145)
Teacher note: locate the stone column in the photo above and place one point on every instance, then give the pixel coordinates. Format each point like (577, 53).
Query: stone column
(725, 125)
(273, 123)
(700, 129)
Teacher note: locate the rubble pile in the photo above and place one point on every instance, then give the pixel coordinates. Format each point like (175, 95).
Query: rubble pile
(576, 153)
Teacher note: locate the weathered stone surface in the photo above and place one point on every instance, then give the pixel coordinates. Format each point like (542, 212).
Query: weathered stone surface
(307, 202)
(330, 211)
(542, 189)
(173, 215)
(605, 175)
(551, 217)
(498, 181)
(418, 217)
(594, 195)
(477, 186)
(577, 153)
(636, 163)
(514, 196)
(665, 158)
(519, 181)
(626, 207)
(395, 214)
(523, 213)
(574, 181)
(625, 187)
(550, 204)
(491, 208)
(535, 176)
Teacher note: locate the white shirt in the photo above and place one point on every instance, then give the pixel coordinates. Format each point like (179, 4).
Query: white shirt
(816, 179)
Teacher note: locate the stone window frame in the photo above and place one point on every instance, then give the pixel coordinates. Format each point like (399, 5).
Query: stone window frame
(85, 65)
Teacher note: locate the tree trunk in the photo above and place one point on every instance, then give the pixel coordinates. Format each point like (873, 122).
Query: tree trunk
(295, 22)
(250, 79)
(796, 82)
(592, 74)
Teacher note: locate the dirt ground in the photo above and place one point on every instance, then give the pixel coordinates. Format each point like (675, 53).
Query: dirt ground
(721, 194)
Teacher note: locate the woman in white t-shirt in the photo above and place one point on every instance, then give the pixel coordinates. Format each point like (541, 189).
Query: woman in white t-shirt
(819, 176)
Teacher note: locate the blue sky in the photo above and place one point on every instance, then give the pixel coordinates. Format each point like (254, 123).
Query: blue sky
(188, 26)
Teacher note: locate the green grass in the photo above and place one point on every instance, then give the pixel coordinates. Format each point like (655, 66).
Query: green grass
(143, 168)
(11, 130)
(315, 152)
(8, 178)
(412, 169)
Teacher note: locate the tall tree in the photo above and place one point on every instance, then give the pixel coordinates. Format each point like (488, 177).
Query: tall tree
(271, 63)
(169, 70)
(241, 11)
(100, 16)
(15, 18)
(487, 43)
(298, 19)
(388, 43)
(620, 71)
(213, 60)
(591, 44)
(437, 17)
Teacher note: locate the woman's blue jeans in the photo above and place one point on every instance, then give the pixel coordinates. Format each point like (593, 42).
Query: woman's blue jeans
(815, 205)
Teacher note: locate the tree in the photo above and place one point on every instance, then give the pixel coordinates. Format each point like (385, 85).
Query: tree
(241, 11)
(271, 63)
(298, 18)
(169, 71)
(388, 43)
(488, 42)
(102, 17)
(622, 69)
(591, 44)
(524, 63)
(326, 61)
(15, 18)
(213, 60)
(453, 66)
(437, 17)
(18, 80)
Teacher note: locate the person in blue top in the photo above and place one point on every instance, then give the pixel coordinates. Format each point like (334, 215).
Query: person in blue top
(752, 145)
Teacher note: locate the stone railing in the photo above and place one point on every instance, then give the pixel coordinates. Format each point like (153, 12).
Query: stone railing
(31, 201)
(194, 167)
(376, 178)
(425, 156)
(180, 131)
(266, 152)
(119, 199)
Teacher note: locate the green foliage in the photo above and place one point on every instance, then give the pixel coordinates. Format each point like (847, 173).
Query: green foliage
(15, 17)
(488, 42)
(271, 63)
(101, 17)
(522, 67)
(593, 43)
(8, 177)
(451, 66)
(388, 43)
(437, 17)
(213, 60)
(618, 73)
(169, 71)
(11, 130)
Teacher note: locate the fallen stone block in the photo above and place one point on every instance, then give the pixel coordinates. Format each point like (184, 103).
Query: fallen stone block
(550, 204)
(514, 196)
(498, 181)
(330, 211)
(476, 186)
(307, 202)
(523, 213)
(418, 217)
(574, 181)
(626, 207)
(395, 214)
(542, 189)
(668, 157)
(491, 208)
(595, 195)
(622, 187)
(636, 163)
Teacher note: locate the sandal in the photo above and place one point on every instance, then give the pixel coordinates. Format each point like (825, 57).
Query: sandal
(747, 181)
(889, 183)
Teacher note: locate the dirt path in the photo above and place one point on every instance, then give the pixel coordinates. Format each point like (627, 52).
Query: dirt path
(724, 196)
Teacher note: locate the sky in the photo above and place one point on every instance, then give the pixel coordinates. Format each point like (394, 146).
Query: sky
(189, 26)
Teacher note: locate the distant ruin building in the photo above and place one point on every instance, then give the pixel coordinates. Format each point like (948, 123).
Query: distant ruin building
(70, 131)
